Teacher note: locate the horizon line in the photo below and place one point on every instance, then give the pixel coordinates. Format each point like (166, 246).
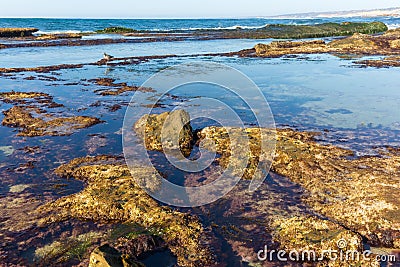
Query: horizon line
(276, 16)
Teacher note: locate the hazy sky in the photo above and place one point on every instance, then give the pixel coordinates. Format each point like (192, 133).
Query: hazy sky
(179, 8)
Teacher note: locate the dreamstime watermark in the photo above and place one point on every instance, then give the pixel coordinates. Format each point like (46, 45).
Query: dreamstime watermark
(339, 254)
(237, 94)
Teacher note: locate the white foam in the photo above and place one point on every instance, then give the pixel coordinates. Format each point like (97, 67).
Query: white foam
(393, 26)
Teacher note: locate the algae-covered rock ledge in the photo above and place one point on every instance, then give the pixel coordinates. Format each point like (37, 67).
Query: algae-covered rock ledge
(17, 32)
(359, 44)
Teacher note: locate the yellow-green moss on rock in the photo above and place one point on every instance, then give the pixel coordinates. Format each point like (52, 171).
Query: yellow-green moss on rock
(112, 195)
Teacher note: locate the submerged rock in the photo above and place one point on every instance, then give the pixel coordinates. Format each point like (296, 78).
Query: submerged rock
(116, 88)
(169, 130)
(36, 122)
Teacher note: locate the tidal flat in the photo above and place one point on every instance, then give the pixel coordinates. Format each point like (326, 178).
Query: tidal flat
(68, 197)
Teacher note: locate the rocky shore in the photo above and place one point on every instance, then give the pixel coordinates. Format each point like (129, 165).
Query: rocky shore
(385, 44)
(316, 195)
(349, 198)
(17, 32)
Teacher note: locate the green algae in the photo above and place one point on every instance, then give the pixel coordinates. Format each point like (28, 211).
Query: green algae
(116, 30)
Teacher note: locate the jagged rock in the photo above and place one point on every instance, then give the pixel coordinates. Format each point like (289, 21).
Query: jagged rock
(395, 43)
(169, 130)
(112, 195)
(286, 47)
(36, 122)
(360, 194)
(107, 256)
(141, 246)
(312, 233)
(356, 42)
(392, 33)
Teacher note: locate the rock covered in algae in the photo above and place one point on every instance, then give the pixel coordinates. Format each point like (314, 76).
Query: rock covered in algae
(112, 195)
(36, 122)
(280, 48)
(30, 117)
(360, 194)
(160, 131)
(386, 44)
(116, 88)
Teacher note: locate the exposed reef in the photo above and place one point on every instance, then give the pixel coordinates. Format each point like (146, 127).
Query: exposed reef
(276, 31)
(37, 122)
(360, 44)
(17, 32)
(112, 195)
(42, 69)
(282, 31)
(173, 124)
(30, 117)
(358, 193)
(117, 88)
(116, 30)
(59, 36)
(386, 62)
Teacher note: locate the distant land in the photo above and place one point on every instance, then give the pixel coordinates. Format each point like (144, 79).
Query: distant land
(346, 14)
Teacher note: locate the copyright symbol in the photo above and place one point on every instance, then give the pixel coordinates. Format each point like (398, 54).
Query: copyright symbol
(341, 243)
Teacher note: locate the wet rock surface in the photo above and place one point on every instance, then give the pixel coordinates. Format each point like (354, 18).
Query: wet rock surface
(29, 116)
(116, 88)
(358, 193)
(113, 196)
(107, 256)
(169, 130)
(363, 44)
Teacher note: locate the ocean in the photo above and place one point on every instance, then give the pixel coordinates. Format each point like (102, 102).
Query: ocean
(89, 25)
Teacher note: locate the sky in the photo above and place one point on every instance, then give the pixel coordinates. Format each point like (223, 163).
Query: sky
(180, 8)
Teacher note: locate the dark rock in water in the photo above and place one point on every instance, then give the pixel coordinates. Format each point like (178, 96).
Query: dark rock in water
(141, 246)
(112, 195)
(31, 119)
(169, 130)
(107, 256)
(17, 32)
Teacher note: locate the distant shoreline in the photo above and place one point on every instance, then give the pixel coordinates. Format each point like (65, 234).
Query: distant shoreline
(386, 12)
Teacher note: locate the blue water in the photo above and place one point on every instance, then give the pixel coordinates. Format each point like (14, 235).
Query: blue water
(87, 25)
